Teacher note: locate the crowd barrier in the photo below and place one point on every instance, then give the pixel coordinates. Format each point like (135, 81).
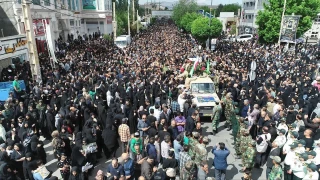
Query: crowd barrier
(6, 88)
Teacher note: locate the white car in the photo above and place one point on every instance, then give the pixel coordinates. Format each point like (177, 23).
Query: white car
(244, 37)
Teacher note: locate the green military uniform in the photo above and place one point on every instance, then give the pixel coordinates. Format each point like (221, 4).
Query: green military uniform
(249, 156)
(200, 153)
(245, 143)
(188, 171)
(192, 144)
(239, 140)
(276, 173)
(217, 110)
(216, 81)
(228, 110)
(235, 123)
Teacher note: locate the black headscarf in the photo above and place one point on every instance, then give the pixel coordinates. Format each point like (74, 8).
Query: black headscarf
(77, 157)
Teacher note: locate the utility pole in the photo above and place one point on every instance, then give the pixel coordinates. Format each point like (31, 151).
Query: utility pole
(283, 12)
(209, 27)
(145, 9)
(137, 23)
(114, 22)
(133, 11)
(33, 53)
(129, 21)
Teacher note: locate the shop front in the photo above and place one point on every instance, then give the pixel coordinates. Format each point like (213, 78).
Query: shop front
(13, 49)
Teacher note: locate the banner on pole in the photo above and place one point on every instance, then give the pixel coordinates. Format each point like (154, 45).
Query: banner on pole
(49, 40)
(289, 28)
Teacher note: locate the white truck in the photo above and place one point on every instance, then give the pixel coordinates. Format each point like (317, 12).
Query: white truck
(123, 41)
(204, 95)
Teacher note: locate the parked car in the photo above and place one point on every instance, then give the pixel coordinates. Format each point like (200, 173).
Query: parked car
(244, 37)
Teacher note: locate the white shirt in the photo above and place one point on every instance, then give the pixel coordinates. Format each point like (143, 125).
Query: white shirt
(300, 150)
(275, 108)
(280, 140)
(317, 158)
(311, 176)
(282, 126)
(286, 147)
(157, 113)
(289, 158)
(298, 169)
(165, 149)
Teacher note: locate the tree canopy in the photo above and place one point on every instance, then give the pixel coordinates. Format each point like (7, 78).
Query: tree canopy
(187, 20)
(227, 8)
(269, 20)
(201, 30)
(183, 7)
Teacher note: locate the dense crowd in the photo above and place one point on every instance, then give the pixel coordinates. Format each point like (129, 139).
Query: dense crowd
(100, 97)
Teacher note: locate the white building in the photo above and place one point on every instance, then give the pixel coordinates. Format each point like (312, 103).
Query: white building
(250, 9)
(77, 17)
(314, 32)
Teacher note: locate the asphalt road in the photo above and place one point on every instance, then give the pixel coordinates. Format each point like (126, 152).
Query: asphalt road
(222, 136)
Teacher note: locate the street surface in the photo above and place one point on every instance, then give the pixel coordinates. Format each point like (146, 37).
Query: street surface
(222, 136)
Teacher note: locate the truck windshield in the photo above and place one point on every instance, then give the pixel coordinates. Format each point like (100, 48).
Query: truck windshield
(121, 43)
(202, 88)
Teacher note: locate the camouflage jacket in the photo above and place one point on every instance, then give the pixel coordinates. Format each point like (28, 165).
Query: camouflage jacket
(276, 173)
(248, 157)
(216, 112)
(200, 153)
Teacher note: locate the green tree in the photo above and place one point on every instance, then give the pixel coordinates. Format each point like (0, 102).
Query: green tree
(218, 10)
(187, 19)
(202, 31)
(122, 22)
(183, 7)
(233, 29)
(205, 8)
(269, 20)
(231, 8)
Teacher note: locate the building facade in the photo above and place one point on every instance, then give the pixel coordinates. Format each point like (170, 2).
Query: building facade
(64, 17)
(250, 9)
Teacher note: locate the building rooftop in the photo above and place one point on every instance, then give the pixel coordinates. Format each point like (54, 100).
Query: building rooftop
(226, 14)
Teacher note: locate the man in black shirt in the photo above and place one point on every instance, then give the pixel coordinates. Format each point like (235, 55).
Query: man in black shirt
(307, 136)
(151, 118)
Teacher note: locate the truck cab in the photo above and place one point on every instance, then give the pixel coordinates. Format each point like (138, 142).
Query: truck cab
(204, 95)
(123, 41)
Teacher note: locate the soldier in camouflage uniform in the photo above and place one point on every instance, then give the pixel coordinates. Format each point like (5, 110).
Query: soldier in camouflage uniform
(189, 171)
(216, 117)
(245, 141)
(201, 151)
(235, 123)
(193, 142)
(249, 156)
(276, 171)
(237, 144)
(229, 110)
(216, 81)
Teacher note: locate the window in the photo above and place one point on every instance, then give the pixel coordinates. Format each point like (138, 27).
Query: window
(73, 5)
(19, 1)
(99, 4)
(69, 4)
(71, 22)
(46, 2)
(36, 2)
(202, 87)
(55, 4)
(77, 5)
